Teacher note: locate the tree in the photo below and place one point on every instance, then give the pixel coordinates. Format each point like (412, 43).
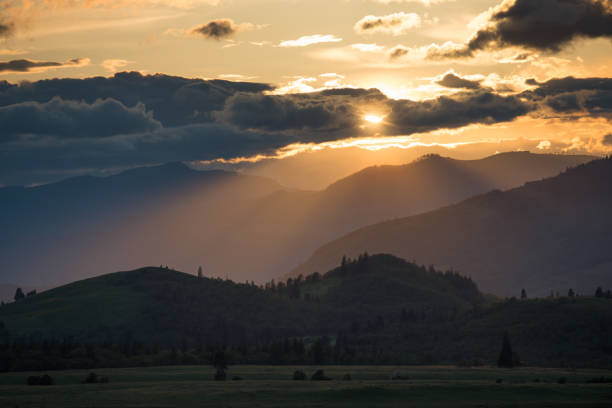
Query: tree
(506, 358)
(570, 293)
(523, 294)
(599, 292)
(219, 361)
(19, 295)
(200, 273)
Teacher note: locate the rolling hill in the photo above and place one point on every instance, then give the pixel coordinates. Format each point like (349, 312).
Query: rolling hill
(245, 227)
(547, 235)
(377, 309)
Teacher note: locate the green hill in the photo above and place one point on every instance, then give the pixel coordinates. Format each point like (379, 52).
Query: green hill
(373, 310)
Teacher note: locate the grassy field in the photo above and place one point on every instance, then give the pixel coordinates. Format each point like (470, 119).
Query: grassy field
(267, 386)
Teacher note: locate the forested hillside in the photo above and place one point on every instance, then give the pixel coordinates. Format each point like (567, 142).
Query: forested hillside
(372, 310)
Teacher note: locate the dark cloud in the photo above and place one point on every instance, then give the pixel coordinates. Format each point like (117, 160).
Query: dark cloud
(398, 52)
(332, 110)
(6, 29)
(607, 139)
(454, 111)
(396, 23)
(451, 80)
(24, 65)
(592, 96)
(217, 29)
(543, 25)
(65, 125)
(174, 101)
(71, 119)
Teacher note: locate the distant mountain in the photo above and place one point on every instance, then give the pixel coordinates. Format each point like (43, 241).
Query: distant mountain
(548, 235)
(379, 309)
(245, 227)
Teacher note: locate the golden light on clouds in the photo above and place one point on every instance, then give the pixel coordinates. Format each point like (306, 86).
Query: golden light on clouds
(373, 118)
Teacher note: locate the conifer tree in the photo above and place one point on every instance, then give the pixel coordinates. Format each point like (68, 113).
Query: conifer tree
(506, 358)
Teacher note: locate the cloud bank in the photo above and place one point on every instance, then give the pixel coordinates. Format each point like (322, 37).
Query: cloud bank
(24, 65)
(67, 125)
(542, 25)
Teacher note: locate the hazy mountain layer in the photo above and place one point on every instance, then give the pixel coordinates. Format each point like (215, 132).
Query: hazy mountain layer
(548, 235)
(245, 227)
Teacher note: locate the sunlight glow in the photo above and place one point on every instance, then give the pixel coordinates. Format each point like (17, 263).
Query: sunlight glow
(373, 118)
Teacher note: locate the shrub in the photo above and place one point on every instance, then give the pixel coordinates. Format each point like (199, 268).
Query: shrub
(562, 380)
(399, 375)
(319, 375)
(40, 380)
(220, 375)
(347, 377)
(299, 375)
(92, 378)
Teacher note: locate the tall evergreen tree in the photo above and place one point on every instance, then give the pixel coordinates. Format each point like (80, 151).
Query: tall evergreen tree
(200, 273)
(506, 358)
(599, 292)
(19, 295)
(523, 294)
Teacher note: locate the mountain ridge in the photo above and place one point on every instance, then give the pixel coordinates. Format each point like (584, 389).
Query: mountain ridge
(554, 217)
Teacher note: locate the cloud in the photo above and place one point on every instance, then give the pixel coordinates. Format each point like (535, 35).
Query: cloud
(607, 139)
(24, 65)
(114, 65)
(571, 96)
(367, 47)
(448, 112)
(543, 25)
(133, 119)
(315, 111)
(174, 101)
(396, 23)
(451, 80)
(398, 52)
(72, 119)
(216, 29)
(307, 40)
(426, 3)
(6, 29)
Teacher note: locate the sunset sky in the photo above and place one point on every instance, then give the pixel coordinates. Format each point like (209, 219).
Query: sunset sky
(314, 74)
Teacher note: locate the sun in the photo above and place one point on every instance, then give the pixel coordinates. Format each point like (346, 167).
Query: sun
(373, 118)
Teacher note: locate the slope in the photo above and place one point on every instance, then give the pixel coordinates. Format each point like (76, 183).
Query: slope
(548, 235)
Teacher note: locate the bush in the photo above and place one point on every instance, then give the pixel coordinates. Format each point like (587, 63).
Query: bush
(562, 380)
(399, 375)
(220, 375)
(600, 380)
(92, 378)
(40, 380)
(347, 377)
(236, 378)
(299, 375)
(319, 375)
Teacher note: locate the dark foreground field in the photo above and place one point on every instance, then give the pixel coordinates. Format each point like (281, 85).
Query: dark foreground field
(266, 386)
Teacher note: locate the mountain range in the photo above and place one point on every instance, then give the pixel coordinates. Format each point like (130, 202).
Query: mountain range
(548, 235)
(241, 226)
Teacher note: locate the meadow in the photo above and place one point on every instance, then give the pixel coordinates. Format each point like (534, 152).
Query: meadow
(273, 386)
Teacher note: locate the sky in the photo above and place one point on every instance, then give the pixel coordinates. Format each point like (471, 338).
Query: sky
(93, 86)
